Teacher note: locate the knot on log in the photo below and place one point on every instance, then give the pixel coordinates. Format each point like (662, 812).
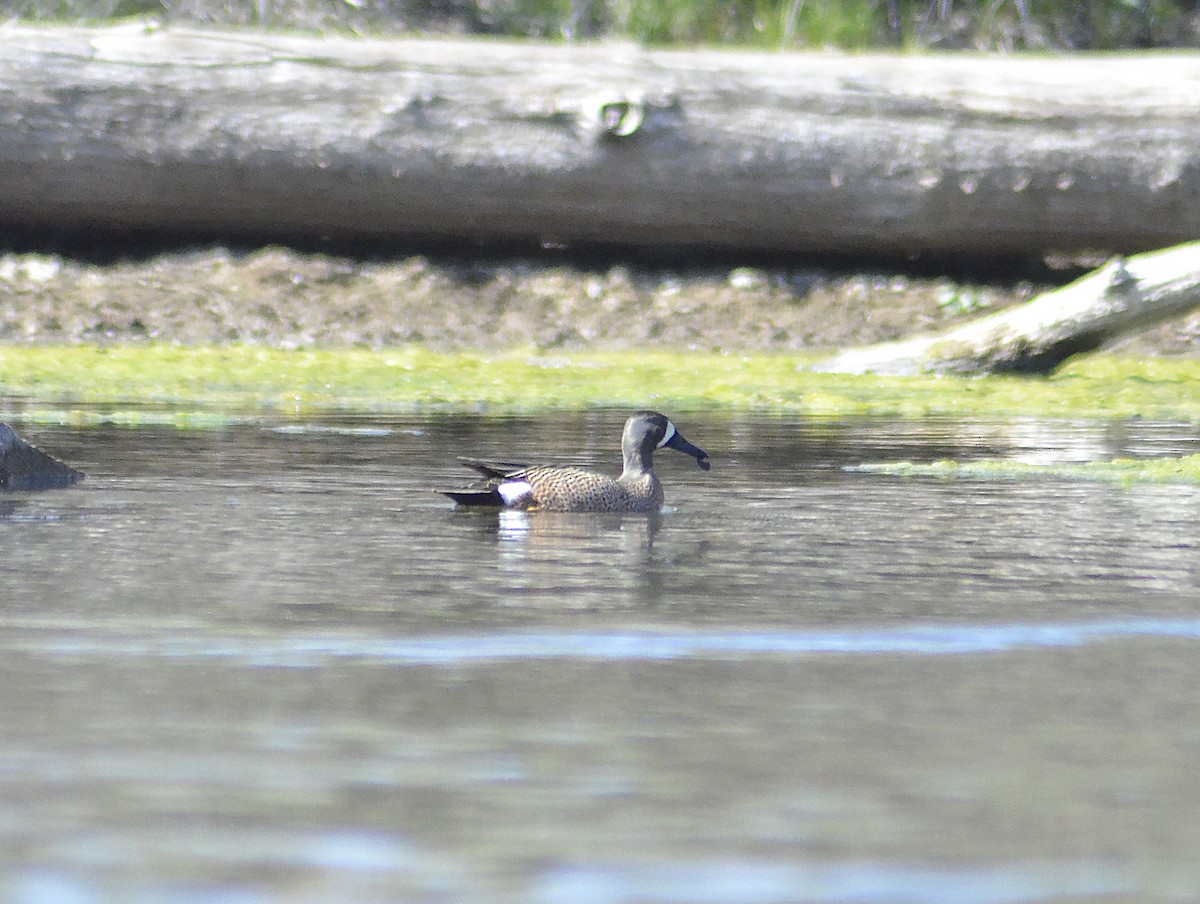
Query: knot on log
(621, 118)
(1120, 278)
(619, 115)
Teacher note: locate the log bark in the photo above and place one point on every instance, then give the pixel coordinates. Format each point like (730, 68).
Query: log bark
(256, 135)
(1122, 297)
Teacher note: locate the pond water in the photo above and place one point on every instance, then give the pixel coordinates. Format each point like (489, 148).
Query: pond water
(266, 664)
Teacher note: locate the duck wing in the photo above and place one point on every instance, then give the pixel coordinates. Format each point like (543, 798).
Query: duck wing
(492, 469)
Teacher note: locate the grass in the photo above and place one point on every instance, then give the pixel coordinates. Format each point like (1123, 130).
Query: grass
(258, 380)
(1184, 469)
(771, 24)
(212, 387)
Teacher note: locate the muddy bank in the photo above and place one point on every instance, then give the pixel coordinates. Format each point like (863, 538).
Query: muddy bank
(281, 297)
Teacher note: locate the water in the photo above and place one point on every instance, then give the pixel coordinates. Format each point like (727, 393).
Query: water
(266, 664)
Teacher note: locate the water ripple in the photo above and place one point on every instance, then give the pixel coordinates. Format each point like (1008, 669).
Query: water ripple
(765, 883)
(440, 650)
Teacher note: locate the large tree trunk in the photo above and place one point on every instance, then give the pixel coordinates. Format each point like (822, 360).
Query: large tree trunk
(1122, 297)
(274, 136)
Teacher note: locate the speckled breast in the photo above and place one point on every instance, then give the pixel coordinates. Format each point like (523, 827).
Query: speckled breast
(576, 490)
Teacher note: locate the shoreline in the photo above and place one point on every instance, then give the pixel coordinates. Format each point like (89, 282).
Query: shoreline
(282, 298)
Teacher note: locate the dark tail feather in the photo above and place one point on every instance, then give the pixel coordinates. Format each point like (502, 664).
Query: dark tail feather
(484, 494)
(480, 498)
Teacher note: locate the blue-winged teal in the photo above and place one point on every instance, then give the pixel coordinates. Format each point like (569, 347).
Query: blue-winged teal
(559, 489)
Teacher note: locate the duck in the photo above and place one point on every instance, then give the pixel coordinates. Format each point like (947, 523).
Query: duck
(568, 489)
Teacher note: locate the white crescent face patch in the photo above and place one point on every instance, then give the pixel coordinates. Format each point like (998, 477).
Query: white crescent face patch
(666, 436)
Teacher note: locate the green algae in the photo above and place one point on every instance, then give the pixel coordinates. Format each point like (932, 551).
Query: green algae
(199, 381)
(1185, 469)
(204, 387)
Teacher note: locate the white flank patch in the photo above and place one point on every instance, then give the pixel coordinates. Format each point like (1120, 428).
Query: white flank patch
(667, 436)
(514, 490)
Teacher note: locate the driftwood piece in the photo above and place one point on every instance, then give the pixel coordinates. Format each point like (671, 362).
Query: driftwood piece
(265, 136)
(26, 467)
(1122, 297)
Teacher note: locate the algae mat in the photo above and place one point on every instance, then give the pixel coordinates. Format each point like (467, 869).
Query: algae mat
(52, 382)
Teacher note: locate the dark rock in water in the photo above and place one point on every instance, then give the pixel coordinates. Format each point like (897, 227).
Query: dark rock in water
(26, 467)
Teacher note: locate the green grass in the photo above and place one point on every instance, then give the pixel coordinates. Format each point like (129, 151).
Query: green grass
(209, 387)
(1185, 469)
(256, 380)
(773, 24)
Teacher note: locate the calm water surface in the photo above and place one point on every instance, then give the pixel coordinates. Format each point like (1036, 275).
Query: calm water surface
(266, 664)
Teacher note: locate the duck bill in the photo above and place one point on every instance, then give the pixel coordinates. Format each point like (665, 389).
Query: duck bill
(679, 444)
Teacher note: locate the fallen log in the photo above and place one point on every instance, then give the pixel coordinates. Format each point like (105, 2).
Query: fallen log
(275, 136)
(1122, 297)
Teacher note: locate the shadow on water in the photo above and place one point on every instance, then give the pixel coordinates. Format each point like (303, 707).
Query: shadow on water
(268, 663)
